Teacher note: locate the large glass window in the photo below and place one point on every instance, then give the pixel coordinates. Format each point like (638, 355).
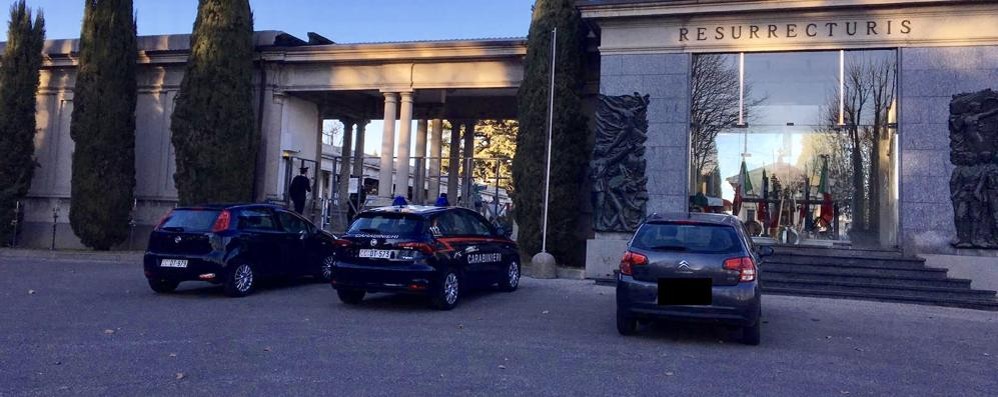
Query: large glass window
(800, 145)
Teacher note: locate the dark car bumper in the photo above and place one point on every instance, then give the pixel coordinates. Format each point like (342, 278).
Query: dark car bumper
(198, 268)
(414, 278)
(738, 305)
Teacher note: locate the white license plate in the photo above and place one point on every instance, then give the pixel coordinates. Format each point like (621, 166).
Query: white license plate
(376, 254)
(181, 263)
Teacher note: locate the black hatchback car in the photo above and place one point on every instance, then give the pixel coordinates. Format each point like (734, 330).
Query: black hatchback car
(236, 246)
(699, 267)
(434, 251)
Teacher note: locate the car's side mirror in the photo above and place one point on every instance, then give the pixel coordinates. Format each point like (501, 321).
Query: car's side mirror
(765, 251)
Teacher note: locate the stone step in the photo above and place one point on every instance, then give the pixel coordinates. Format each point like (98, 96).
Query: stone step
(856, 262)
(839, 252)
(876, 288)
(979, 304)
(924, 273)
(875, 280)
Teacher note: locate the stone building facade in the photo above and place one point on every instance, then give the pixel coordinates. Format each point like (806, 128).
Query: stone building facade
(940, 49)
(299, 84)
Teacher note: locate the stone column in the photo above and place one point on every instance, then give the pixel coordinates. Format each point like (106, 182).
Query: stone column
(455, 161)
(316, 204)
(358, 153)
(419, 184)
(342, 188)
(436, 150)
(405, 135)
(468, 163)
(388, 145)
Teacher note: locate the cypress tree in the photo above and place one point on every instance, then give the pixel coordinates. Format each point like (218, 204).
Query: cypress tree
(18, 84)
(214, 132)
(569, 136)
(103, 125)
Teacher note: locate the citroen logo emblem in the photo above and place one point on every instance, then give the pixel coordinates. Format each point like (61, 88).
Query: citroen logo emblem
(374, 242)
(684, 266)
(177, 239)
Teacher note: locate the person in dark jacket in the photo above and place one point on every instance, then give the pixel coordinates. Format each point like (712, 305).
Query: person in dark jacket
(399, 201)
(442, 201)
(300, 186)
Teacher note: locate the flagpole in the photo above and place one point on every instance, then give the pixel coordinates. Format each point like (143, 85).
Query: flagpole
(547, 173)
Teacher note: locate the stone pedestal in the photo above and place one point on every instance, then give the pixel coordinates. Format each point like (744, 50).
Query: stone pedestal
(603, 254)
(544, 266)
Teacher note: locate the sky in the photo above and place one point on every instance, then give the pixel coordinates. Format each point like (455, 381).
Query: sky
(343, 21)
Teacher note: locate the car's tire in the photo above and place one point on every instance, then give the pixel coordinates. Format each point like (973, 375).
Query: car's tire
(510, 279)
(240, 281)
(163, 286)
(626, 325)
(325, 271)
(752, 335)
(351, 296)
(448, 293)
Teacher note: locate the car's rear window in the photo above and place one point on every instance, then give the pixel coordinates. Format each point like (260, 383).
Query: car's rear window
(687, 237)
(190, 220)
(387, 224)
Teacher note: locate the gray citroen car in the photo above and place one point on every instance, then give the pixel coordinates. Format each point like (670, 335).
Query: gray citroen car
(697, 267)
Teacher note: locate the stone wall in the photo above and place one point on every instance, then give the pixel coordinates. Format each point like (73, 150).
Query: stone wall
(666, 78)
(929, 79)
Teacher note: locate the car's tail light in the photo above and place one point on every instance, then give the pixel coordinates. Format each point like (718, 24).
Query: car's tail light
(222, 222)
(630, 260)
(745, 267)
(342, 243)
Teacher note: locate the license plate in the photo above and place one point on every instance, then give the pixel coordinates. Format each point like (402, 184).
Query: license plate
(181, 263)
(684, 291)
(375, 254)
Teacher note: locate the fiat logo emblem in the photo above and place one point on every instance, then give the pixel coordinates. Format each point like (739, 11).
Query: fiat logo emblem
(374, 242)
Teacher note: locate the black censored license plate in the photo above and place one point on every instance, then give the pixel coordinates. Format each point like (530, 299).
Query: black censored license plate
(684, 291)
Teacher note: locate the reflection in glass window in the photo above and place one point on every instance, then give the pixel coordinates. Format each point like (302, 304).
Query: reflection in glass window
(803, 166)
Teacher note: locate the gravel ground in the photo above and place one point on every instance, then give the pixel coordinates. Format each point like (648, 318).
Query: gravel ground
(72, 327)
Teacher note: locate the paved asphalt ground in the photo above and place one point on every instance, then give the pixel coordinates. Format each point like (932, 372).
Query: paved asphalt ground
(96, 329)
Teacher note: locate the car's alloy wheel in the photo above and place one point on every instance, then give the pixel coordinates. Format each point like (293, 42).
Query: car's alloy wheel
(450, 289)
(241, 281)
(511, 279)
(326, 269)
(449, 292)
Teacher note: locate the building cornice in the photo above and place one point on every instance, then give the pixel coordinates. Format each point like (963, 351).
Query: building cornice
(623, 9)
(341, 53)
(487, 49)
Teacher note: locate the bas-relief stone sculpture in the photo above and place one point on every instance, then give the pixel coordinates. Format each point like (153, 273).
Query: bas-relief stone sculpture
(973, 126)
(620, 194)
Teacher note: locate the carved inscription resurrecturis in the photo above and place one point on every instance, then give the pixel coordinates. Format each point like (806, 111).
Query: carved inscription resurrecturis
(804, 30)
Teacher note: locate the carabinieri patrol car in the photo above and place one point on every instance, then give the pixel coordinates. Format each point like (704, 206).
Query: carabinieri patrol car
(438, 252)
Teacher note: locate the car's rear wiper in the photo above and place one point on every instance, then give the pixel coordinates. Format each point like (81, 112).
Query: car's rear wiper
(668, 248)
(173, 229)
(370, 230)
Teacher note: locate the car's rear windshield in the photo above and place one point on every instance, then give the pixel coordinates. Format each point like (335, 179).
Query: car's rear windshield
(387, 224)
(688, 237)
(191, 220)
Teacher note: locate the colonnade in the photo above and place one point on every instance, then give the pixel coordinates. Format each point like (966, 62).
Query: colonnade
(396, 161)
